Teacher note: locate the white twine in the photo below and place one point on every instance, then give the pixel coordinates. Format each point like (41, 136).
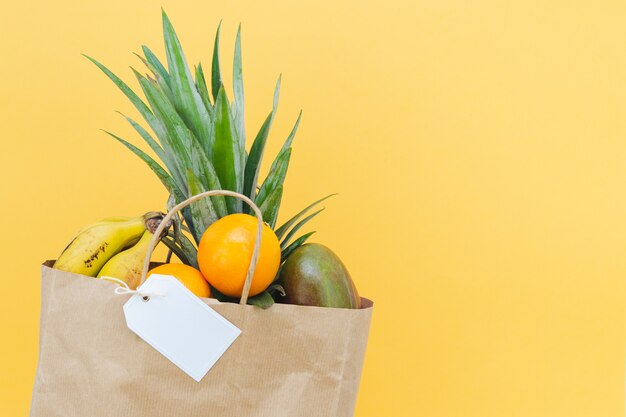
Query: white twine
(125, 289)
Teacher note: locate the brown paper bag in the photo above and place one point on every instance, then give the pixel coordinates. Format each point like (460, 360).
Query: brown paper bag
(289, 360)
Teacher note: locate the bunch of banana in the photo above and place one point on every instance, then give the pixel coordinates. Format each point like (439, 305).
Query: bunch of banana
(114, 247)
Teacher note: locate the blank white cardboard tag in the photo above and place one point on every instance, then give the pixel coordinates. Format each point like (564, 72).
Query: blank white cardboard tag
(179, 325)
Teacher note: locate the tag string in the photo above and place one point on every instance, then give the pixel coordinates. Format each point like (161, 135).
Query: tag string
(125, 289)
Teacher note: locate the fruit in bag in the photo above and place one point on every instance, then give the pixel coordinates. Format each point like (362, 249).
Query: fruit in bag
(189, 276)
(313, 275)
(96, 244)
(225, 251)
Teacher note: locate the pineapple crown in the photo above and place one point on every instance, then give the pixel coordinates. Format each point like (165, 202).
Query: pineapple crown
(199, 137)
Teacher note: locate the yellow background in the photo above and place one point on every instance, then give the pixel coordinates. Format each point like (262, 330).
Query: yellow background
(479, 149)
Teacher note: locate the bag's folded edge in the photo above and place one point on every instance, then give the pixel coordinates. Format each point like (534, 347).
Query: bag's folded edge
(366, 303)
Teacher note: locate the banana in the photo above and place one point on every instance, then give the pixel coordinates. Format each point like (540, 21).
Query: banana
(98, 243)
(127, 265)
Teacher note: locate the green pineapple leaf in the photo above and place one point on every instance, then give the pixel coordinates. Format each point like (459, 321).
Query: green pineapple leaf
(171, 202)
(156, 148)
(178, 251)
(154, 123)
(202, 211)
(156, 65)
(180, 238)
(143, 109)
(276, 176)
(279, 167)
(190, 250)
(186, 148)
(295, 245)
(280, 232)
(206, 173)
(165, 157)
(154, 166)
(176, 137)
(263, 300)
(253, 163)
(184, 145)
(185, 244)
(270, 206)
(292, 134)
(238, 109)
(202, 88)
(216, 74)
(227, 152)
(285, 241)
(187, 100)
(163, 83)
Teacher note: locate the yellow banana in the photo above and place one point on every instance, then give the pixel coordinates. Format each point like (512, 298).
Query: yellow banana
(98, 243)
(127, 265)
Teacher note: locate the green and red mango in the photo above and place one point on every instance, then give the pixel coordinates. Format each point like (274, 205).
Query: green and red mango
(313, 275)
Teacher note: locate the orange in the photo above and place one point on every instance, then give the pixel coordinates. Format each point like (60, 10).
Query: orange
(189, 276)
(225, 251)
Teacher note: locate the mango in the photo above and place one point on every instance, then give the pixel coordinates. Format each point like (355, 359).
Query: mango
(313, 275)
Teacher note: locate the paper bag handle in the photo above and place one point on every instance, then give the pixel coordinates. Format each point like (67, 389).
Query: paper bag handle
(257, 245)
